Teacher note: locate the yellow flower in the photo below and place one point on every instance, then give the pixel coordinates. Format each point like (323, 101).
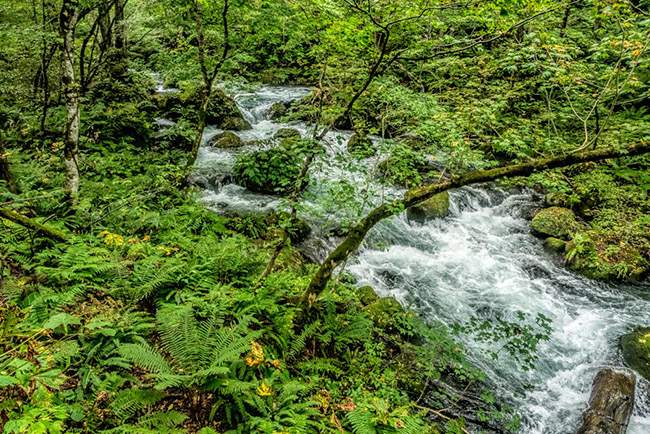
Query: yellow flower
(256, 356)
(112, 239)
(264, 390)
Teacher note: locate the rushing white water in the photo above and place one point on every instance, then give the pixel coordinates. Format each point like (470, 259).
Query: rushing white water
(481, 262)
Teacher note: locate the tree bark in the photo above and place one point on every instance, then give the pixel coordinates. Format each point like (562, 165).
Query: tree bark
(31, 224)
(67, 26)
(420, 194)
(5, 170)
(207, 76)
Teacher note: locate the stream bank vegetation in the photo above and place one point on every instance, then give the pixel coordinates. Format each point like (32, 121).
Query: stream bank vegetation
(127, 306)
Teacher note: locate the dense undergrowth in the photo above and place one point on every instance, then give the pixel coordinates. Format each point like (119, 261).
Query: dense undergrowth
(150, 319)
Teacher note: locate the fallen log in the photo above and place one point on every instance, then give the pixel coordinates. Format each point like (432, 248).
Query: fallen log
(610, 404)
(33, 225)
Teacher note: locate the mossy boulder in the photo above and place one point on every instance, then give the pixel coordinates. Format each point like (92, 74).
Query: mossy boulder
(286, 133)
(361, 146)
(635, 347)
(602, 257)
(556, 222)
(435, 208)
(555, 244)
(383, 309)
(277, 110)
(222, 110)
(226, 140)
(367, 295)
(235, 123)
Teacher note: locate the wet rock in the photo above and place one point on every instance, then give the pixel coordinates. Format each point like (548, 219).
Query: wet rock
(361, 146)
(277, 110)
(222, 110)
(236, 124)
(208, 179)
(286, 133)
(226, 140)
(435, 208)
(555, 244)
(635, 347)
(367, 295)
(554, 222)
(611, 403)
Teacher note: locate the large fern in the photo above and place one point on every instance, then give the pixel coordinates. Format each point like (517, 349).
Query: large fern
(199, 350)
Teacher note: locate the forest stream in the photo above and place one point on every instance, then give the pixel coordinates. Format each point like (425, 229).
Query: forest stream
(481, 261)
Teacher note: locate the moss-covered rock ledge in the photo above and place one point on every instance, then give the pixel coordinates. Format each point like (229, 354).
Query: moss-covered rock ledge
(597, 254)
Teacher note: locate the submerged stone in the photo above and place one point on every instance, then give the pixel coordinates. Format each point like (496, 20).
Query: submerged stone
(554, 222)
(635, 347)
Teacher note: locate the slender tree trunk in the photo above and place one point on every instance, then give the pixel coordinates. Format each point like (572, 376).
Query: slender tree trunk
(207, 76)
(120, 28)
(68, 23)
(418, 195)
(200, 128)
(5, 170)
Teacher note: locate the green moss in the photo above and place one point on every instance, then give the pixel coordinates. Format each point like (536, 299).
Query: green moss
(435, 208)
(367, 295)
(555, 222)
(635, 347)
(226, 140)
(555, 244)
(270, 171)
(286, 133)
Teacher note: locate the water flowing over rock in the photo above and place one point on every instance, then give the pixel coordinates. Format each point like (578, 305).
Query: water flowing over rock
(611, 403)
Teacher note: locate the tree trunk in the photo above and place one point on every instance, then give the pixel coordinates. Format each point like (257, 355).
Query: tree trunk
(120, 28)
(67, 26)
(5, 171)
(420, 194)
(199, 129)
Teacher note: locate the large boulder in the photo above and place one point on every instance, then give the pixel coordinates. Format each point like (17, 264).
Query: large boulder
(236, 123)
(361, 146)
(556, 222)
(435, 208)
(226, 140)
(221, 111)
(367, 295)
(636, 351)
(611, 403)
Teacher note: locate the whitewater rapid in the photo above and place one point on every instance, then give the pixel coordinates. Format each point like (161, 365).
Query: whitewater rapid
(481, 261)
